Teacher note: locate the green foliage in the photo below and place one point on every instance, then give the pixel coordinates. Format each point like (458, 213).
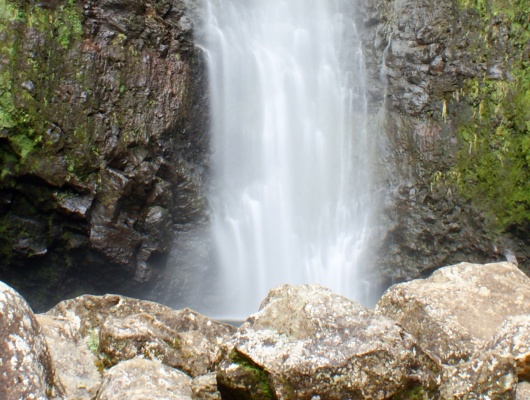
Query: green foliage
(9, 13)
(494, 163)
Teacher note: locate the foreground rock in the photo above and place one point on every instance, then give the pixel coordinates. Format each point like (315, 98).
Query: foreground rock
(205, 387)
(459, 308)
(307, 342)
(513, 340)
(523, 391)
(488, 375)
(126, 328)
(25, 365)
(75, 365)
(140, 379)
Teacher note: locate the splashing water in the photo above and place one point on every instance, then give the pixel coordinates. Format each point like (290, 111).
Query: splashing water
(291, 146)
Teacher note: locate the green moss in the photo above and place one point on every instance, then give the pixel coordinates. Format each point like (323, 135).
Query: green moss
(174, 344)
(28, 73)
(493, 166)
(22, 144)
(256, 376)
(68, 24)
(92, 341)
(413, 393)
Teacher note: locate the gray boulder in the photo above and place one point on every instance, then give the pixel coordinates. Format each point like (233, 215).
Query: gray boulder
(460, 307)
(76, 367)
(513, 340)
(204, 387)
(140, 379)
(488, 375)
(26, 370)
(523, 391)
(308, 343)
(126, 328)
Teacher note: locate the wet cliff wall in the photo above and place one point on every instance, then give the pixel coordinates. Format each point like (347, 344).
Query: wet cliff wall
(453, 80)
(103, 143)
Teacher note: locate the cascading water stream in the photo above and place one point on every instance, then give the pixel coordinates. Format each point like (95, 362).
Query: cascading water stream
(291, 146)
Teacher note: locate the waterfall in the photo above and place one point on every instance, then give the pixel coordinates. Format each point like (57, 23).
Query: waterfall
(292, 149)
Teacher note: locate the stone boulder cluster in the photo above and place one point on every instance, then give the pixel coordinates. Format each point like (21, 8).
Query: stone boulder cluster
(463, 333)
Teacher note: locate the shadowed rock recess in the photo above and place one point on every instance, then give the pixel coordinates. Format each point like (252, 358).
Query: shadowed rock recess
(102, 143)
(461, 334)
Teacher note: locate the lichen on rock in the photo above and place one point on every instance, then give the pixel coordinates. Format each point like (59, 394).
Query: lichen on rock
(459, 308)
(127, 328)
(307, 341)
(139, 379)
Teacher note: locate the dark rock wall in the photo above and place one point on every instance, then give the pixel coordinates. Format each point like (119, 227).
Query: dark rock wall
(103, 143)
(422, 56)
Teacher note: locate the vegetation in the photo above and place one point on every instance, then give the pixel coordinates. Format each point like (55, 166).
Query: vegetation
(411, 393)
(255, 376)
(493, 167)
(35, 138)
(92, 341)
(26, 73)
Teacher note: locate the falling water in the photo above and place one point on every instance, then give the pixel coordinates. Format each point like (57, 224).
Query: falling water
(291, 146)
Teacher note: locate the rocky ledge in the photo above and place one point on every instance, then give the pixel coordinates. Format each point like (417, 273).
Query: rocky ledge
(103, 144)
(463, 333)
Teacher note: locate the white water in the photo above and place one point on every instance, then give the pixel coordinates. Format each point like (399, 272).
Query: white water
(292, 149)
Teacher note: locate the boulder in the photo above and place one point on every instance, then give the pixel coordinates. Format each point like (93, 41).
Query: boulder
(523, 391)
(127, 328)
(488, 375)
(513, 340)
(26, 370)
(140, 379)
(76, 367)
(456, 310)
(307, 342)
(204, 387)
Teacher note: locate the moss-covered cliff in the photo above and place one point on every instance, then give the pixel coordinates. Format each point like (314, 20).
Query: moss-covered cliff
(456, 76)
(102, 142)
(494, 129)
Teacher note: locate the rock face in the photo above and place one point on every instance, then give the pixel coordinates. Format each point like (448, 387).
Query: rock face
(431, 67)
(140, 379)
(103, 124)
(307, 342)
(25, 365)
(459, 308)
(126, 328)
